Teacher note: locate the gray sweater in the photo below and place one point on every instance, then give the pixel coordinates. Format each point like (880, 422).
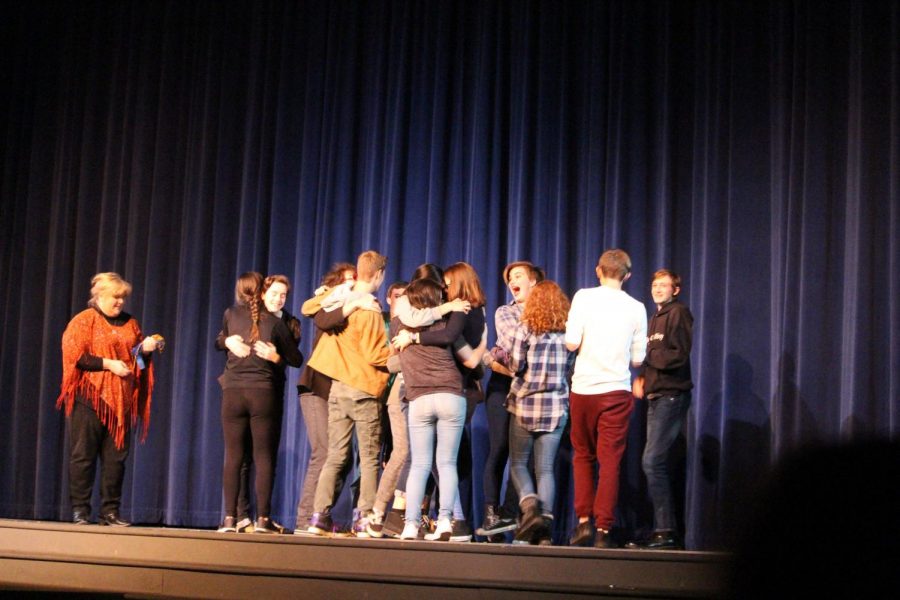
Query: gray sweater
(428, 369)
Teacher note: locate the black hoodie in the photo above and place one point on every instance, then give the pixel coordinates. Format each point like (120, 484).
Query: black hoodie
(667, 366)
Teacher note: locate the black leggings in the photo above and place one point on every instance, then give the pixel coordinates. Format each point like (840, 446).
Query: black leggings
(253, 409)
(498, 435)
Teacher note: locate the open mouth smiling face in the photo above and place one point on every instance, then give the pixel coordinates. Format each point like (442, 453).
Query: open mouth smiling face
(519, 284)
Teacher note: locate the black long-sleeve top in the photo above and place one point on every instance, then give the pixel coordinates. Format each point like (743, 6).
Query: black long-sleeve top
(667, 365)
(253, 371)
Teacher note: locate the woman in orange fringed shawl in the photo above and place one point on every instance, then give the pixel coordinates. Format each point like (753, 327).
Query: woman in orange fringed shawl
(107, 383)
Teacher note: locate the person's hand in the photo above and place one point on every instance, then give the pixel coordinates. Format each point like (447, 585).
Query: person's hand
(236, 345)
(458, 305)
(402, 340)
(266, 351)
(149, 344)
(637, 387)
(116, 367)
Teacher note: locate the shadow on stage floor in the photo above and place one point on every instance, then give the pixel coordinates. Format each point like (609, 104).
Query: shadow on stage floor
(38, 557)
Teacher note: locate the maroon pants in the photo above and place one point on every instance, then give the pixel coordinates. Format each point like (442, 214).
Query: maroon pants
(599, 426)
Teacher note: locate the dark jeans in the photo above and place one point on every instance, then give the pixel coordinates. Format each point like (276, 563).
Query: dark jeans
(89, 439)
(498, 434)
(665, 418)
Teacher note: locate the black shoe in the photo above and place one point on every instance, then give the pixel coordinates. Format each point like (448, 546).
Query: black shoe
(659, 540)
(267, 525)
(321, 524)
(532, 520)
(113, 520)
(494, 523)
(542, 533)
(81, 518)
(602, 539)
(462, 532)
(583, 534)
(227, 526)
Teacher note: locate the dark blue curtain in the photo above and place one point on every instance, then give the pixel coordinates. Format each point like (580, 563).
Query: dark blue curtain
(751, 146)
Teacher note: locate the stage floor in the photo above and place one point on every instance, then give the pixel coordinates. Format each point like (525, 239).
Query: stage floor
(39, 556)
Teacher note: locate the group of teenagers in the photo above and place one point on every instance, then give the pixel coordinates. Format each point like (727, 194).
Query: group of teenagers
(395, 390)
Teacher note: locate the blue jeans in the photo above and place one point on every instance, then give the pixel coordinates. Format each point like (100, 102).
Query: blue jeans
(665, 417)
(544, 444)
(444, 414)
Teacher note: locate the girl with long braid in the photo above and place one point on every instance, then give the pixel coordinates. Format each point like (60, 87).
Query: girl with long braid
(257, 341)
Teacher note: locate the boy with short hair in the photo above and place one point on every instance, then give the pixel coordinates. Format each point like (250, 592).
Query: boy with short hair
(354, 357)
(608, 329)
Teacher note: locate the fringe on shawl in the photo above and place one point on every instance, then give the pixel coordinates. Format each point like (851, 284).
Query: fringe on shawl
(75, 384)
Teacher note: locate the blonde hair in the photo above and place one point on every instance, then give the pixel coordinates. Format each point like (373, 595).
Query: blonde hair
(108, 282)
(368, 264)
(464, 284)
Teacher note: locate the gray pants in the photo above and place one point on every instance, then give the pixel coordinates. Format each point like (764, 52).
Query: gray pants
(349, 409)
(390, 477)
(315, 415)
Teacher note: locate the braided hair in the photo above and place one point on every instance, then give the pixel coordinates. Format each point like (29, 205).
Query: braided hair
(247, 293)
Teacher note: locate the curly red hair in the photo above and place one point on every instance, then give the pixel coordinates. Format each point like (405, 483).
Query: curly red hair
(547, 308)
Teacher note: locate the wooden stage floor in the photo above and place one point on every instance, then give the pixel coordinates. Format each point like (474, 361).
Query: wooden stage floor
(38, 557)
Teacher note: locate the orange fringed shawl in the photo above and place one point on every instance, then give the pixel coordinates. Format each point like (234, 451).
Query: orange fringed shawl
(118, 401)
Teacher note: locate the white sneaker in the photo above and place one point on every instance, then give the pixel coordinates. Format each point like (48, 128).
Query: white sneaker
(442, 531)
(410, 531)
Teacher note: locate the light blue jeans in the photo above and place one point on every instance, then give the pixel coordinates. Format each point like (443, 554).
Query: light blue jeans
(544, 445)
(445, 415)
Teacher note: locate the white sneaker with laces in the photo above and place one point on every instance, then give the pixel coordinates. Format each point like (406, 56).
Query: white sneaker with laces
(410, 531)
(442, 531)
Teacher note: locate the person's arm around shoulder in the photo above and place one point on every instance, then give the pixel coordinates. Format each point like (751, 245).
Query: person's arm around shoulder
(314, 304)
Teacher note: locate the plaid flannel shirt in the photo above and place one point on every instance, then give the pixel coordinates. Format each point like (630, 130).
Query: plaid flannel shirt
(506, 320)
(539, 394)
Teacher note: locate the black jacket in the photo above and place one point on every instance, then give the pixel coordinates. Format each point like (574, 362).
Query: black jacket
(667, 366)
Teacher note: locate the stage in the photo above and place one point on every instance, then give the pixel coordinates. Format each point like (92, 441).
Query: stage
(37, 556)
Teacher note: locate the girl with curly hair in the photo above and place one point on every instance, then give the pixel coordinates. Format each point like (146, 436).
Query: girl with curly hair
(539, 405)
